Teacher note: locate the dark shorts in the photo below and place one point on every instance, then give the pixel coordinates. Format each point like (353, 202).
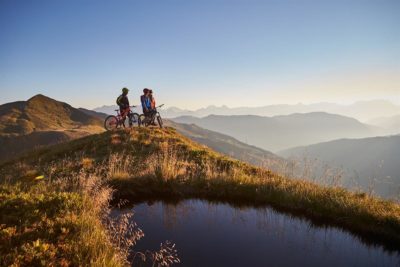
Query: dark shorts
(123, 110)
(149, 112)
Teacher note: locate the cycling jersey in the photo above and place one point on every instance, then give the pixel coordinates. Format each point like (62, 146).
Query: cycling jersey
(146, 103)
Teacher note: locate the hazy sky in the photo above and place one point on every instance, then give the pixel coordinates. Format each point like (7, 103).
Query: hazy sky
(197, 53)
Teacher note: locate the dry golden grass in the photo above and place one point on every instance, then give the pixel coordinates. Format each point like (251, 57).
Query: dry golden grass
(67, 222)
(46, 223)
(159, 163)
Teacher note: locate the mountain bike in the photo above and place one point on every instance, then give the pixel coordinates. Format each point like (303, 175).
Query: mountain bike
(114, 122)
(151, 119)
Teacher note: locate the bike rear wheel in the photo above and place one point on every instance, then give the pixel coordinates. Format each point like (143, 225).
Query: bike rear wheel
(160, 121)
(111, 123)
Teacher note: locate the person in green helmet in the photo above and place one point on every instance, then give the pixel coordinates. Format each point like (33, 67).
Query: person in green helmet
(123, 102)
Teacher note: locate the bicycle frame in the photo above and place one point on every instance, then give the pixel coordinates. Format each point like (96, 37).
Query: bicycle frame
(121, 116)
(150, 119)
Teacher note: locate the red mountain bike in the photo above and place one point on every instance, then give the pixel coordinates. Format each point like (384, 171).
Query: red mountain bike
(114, 122)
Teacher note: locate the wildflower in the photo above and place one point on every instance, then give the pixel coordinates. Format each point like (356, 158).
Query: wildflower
(40, 177)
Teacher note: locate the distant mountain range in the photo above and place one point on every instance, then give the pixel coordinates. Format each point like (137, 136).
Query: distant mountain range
(390, 124)
(283, 132)
(93, 113)
(372, 162)
(39, 121)
(362, 110)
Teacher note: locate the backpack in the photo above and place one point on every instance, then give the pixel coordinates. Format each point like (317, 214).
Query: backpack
(118, 99)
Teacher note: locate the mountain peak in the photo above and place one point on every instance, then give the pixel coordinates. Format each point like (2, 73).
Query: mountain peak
(39, 98)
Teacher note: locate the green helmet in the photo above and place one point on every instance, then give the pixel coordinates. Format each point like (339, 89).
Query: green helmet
(125, 90)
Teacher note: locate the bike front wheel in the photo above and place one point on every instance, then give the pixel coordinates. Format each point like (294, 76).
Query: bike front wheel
(111, 123)
(143, 121)
(134, 118)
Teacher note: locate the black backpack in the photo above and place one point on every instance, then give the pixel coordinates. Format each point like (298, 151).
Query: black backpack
(118, 99)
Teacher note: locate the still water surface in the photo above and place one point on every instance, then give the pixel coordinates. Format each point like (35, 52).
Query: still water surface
(209, 234)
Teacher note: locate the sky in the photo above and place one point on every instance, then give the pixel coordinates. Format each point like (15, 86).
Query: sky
(199, 53)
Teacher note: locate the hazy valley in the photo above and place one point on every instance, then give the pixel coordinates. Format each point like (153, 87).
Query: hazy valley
(283, 132)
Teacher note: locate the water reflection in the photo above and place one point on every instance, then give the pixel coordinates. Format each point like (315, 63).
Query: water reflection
(209, 234)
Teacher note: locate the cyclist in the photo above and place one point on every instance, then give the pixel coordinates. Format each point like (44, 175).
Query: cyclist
(152, 100)
(152, 104)
(146, 103)
(123, 103)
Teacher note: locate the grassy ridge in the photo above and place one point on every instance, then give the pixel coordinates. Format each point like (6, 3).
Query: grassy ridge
(154, 163)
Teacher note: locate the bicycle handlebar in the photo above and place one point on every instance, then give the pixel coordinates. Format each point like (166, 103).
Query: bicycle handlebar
(137, 106)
